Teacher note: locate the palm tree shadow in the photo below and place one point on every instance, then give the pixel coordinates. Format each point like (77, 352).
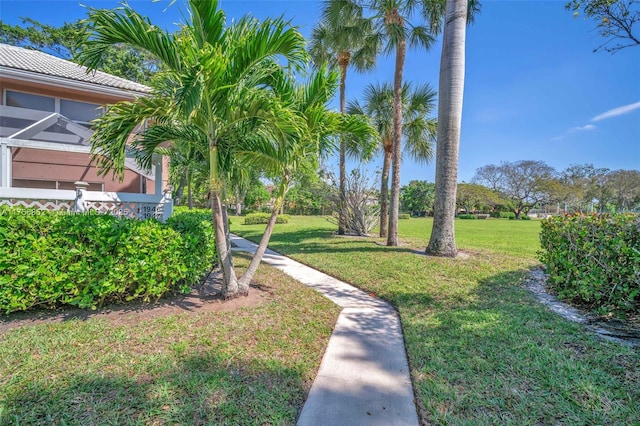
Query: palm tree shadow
(198, 390)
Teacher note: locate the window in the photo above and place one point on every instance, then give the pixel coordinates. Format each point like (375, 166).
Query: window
(80, 112)
(30, 101)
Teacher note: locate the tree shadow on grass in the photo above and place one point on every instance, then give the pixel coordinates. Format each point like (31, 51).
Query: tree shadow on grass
(199, 390)
(499, 356)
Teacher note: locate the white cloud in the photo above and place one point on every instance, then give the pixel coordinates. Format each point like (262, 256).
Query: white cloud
(582, 128)
(617, 111)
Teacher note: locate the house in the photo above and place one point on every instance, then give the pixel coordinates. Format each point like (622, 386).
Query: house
(45, 123)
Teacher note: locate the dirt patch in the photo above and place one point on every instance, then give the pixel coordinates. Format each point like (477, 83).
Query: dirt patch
(203, 298)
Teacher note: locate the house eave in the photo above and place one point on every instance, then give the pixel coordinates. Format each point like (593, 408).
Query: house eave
(34, 77)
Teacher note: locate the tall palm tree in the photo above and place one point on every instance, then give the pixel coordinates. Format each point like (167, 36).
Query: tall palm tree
(216, 81)
(343, 39)
(452, 69)
(394, 22)
(418, 128)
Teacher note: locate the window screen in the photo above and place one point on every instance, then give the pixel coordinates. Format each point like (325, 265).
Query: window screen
(27, 100)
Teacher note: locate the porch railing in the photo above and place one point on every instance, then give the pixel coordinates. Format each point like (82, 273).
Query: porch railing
(139, 206)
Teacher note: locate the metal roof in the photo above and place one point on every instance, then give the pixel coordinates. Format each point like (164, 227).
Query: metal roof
(34, 61)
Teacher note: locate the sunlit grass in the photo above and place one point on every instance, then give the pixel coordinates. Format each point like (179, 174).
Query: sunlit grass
(481, 350)
(251, 366)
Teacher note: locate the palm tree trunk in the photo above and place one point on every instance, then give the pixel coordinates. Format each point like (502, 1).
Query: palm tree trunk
(384, 192)
(189, 190)
(246, 278)
(392, 236)
(342, 220)
(230, 287)
(451, 91)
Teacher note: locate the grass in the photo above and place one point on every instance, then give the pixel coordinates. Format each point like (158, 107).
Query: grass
(481, 350)
(250, 367)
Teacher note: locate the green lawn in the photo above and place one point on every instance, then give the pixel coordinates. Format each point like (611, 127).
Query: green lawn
(481, 350)
(246, 367)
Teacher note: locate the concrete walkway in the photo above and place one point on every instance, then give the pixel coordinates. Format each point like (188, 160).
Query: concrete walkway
(364, 375)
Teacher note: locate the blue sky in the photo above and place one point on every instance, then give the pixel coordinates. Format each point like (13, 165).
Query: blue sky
(534, 89)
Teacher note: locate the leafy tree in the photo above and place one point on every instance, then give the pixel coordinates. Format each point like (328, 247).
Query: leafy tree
(624, 186)
(615, 20)
(310, 194)
(67, 41)
(343, 39)
(257, 195)
(417, 197)
(523, 183)
(471, 197)
(418, 128)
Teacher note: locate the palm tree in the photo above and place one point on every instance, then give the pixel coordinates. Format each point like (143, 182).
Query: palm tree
(418, 129)
(393, 25)
(452, 68)
(343, 39)
(282, 158)
(217, 80)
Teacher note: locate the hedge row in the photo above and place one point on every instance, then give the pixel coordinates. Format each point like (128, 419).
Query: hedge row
(594, 259)
(263, 218)
(50, 259)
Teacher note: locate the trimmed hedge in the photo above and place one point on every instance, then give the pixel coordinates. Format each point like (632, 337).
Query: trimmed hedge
(51, 259)
(467, 216)
(403, 216)
(594, 259)
(263, 218)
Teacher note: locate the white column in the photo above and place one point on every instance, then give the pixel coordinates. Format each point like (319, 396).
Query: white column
(81, 189)
(158, 174)
(5, 166)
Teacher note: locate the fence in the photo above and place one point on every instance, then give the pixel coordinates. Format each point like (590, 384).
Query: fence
(139, 206)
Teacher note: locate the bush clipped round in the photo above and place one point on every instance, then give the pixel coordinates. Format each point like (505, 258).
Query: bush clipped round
(263, 218)
(467, 216)
(403, 216)
(51, 259)
(594, 259)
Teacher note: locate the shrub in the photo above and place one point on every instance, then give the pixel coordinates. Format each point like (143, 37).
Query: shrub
(404, 216)
(50, 259)
(467, 216)
(507, 215)
(525, 217)
(594, 260)
(263, 219)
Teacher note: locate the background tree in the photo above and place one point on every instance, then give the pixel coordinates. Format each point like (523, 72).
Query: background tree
(472, 197)
(67, 41)
(419, 129)
(417, 197)
(615, 20)
(624, 186)
(310, 195)
(257, 196)
(523, 183)
(343, 39)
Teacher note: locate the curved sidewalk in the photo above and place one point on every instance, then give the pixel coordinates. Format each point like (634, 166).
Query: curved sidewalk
(364, 376)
